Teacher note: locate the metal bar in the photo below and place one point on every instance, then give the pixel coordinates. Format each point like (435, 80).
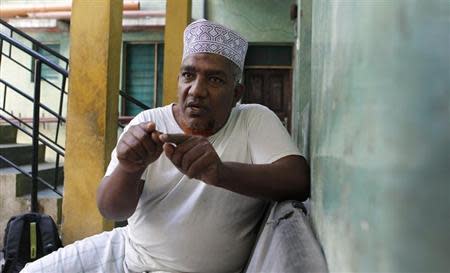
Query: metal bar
(15, 166)
(31, 71)
(27, 174)
(155, 77)
(48, 142)
(45, 183)
(1, 51)
(61, 100)
(133, 100)
(42, 120)
(36, 108)
(31, 39)
(31, 99)
(55, 184)
(54, 85)
(10, 44)
(4, 86)
(34, 54)
(51, 51)
(123, 105)
(4, 97)
(18, 63)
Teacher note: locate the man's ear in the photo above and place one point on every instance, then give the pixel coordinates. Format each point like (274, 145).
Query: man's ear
(239, 90)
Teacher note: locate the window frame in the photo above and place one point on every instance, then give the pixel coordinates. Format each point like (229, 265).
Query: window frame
(158, 45)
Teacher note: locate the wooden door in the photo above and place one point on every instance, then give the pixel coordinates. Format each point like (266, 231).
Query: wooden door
(272, 88)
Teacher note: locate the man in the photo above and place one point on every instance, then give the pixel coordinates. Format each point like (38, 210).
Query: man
(193, 178)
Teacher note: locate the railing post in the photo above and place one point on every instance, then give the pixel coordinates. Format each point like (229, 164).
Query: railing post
(1, 50)
(36, 106)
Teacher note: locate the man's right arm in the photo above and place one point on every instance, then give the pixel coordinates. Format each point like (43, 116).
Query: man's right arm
(119, 192)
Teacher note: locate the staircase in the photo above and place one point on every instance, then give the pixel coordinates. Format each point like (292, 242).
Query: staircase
(15, 187)
(29, 181)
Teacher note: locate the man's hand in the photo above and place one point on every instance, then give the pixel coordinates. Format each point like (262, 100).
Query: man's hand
(139, 147)
(283, 179)
(118, 193)
(194, 156)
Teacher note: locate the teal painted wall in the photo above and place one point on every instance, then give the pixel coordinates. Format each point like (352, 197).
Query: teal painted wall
(150, 36)
(301, 95)
(265, 21)
(380, 134)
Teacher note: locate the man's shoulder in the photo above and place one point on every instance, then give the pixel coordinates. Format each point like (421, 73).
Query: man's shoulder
(255, 114)
(152, 114)
(252, 108)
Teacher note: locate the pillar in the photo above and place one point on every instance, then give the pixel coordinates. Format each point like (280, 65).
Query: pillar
(178, 16)
(95, 37)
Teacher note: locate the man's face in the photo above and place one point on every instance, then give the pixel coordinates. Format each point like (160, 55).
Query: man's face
(207, 91)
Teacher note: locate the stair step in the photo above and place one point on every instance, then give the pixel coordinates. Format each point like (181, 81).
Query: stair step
(46, 171)
(20, 154)
(8, 134)
(46, 193)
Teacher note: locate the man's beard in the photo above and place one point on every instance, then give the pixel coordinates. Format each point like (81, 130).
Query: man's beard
(195, 129)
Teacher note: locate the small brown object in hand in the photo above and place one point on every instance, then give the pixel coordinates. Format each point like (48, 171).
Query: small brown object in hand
(174, 138)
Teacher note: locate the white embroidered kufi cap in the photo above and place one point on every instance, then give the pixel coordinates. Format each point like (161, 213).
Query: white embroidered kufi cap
(203, 36)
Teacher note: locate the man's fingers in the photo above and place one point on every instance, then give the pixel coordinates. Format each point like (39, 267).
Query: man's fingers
(155, 137)
(136, 146)
(150, 138)
(144, 143)
(174, 138)
(168, 149)
(183, 149)
(157, 141)
(129, 152)
(192, 154)
(199, 165)
(140, 144)
(195, 156)
(149, 127)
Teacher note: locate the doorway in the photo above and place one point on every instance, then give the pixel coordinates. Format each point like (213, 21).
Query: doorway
(268, 79)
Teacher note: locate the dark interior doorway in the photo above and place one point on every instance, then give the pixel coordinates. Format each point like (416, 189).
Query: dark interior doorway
(268, 79)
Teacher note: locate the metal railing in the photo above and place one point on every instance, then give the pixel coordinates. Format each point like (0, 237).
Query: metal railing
(15, 47)
(123, 120)
(15, 42)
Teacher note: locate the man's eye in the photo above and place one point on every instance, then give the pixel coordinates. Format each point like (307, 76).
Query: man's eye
(216, 80)
(187, 75)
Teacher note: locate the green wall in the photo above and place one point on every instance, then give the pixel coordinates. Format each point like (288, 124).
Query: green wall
(301, 95)
(150, 36)
(380, 135)
(257, 20)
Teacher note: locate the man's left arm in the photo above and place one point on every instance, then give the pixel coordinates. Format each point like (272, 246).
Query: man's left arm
(285, 178)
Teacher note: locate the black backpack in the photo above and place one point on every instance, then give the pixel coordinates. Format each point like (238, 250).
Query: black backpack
(28, 237)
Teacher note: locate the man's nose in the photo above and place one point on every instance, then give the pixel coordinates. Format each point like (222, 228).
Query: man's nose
(198, 88)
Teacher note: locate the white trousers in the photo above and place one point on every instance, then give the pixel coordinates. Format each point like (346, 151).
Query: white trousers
(102, 253)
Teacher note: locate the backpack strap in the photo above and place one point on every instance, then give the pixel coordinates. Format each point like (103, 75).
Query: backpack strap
(13, 236)
(49, 235)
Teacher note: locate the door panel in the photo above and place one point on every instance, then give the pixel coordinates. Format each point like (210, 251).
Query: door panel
(272, 88)
(275, 93)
